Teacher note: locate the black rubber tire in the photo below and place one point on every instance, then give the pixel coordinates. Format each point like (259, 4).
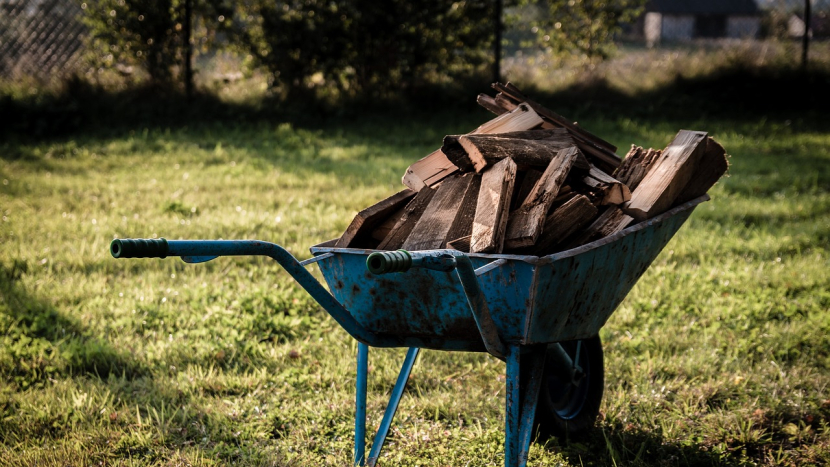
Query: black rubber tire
(566, 410)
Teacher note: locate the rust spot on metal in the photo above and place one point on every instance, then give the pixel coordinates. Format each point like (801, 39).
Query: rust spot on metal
(338, 284)
(355, 289)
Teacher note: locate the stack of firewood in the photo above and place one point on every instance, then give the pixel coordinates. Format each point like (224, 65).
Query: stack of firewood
(530, 182)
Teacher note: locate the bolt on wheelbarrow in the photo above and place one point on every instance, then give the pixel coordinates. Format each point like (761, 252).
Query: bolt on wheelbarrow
(541, 315)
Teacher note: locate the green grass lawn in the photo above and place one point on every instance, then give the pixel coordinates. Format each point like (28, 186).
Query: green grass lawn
(720, 355)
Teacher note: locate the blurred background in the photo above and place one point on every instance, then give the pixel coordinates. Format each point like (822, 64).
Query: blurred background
(334, 52)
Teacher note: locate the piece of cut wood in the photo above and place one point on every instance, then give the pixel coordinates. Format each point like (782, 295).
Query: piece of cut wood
(636, 165)
(435, 167)
(412, 212)
(381, 231)
(669, 175)
(360, 229)
(430, 232)
(612, 190)
(512, 92)
(525, 224)
(711, 168)
(455, 152)
(492, 207)
(505, 102)
(568, 218)
(490, 104)
(525, 183)
(486, 150)
(461, 244)
(611, 221)
(462, 226)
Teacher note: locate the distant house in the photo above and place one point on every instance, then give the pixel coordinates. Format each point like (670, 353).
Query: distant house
(682, 20)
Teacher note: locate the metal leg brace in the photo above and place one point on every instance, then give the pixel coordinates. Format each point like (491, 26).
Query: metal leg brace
(391, 408)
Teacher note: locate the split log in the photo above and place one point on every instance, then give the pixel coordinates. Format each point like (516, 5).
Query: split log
(611, 221)
(360, 229)
(455, 152)
(492, 207)
(636, 165)
(525, 181)
(669, 175)
(710, 169)
(487, 150)
(562, 223)
(605, 151)
(430, 232)
(526, 223)
(463, 224)
(612, 191)
(490, 104)
(382, 230)
(435, 167)
(412, 212)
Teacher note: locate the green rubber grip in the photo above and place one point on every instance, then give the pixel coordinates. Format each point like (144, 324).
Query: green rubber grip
(139, 248)
(383, 262)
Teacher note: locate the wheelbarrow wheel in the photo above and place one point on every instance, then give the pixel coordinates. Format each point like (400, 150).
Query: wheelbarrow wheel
(569, 400)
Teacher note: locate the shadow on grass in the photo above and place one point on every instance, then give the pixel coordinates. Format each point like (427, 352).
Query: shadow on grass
(738, 92)
(42, 346)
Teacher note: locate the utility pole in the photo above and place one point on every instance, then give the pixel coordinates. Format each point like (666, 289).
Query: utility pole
(497, 41)
(188, 49)
(805, 44)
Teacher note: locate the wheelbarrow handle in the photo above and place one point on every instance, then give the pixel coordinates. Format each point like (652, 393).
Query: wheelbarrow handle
(139, 248)
(385, 262)
(197, 251)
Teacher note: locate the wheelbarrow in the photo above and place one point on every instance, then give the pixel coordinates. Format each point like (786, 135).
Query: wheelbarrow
(541, 315)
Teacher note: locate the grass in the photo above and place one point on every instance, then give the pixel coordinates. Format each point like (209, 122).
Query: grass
(720, 355)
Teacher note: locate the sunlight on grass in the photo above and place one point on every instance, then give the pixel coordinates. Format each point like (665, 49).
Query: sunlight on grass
(719, 355)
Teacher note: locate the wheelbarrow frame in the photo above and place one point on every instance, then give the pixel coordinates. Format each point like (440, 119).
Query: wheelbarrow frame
(513, 307)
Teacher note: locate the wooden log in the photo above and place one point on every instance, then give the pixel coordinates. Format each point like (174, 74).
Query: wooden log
(562, 223)
(525, 181)
(492, 207)
(412, 212)
(430, 232)
(711, 168)
(636, 165)
(490, 104)
(669, 175)
(361, 227)
(382, 230)
(455, 152)
(505, 102)
(526, 223)
(512, 92)
(486, 150)
(611, 221)
(612, 190)
(435, 167)
(462, 226)
(461, 244)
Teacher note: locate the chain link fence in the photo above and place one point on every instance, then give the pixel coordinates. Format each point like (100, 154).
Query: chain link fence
(40, 39)
(44, 40)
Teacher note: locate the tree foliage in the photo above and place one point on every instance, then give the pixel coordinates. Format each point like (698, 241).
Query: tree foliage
(585, 27)
(363, 46)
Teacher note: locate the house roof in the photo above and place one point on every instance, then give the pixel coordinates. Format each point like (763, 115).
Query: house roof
(704, 7)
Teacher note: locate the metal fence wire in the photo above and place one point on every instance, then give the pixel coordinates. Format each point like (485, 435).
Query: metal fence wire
(41, 39)
(44, 40)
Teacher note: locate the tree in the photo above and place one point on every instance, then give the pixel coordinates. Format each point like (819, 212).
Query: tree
(363, 46)
(585, 27)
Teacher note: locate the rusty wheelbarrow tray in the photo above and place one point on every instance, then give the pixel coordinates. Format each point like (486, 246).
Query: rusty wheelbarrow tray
(542, 315)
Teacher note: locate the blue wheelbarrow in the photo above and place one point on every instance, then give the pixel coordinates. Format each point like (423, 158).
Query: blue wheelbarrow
(541, 315)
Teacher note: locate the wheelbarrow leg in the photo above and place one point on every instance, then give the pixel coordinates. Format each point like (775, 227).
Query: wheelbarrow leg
(360, 404)
(391, 408)
(521, 398)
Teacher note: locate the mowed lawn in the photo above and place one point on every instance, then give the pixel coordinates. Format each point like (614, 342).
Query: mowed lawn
(720, 355)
